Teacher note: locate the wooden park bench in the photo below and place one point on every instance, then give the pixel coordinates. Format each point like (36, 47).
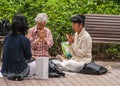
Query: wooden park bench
(103, 28)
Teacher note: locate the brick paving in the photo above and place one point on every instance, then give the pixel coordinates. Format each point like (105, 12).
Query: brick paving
(112, 78)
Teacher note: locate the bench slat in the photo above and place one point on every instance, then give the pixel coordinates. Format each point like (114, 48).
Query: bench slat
(103, 23)
(102, 18)
(105, 36)
(105, 40)
(102, 15)
(101, 26)
(116, 20)
(105, 32)
(103, 29)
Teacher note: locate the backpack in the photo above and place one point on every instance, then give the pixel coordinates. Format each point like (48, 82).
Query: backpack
(4, 27)
(94, 69)
(55, 70)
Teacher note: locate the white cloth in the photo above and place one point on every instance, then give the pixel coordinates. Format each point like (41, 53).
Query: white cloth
(39, 68)
(32, 66)
(72, 65)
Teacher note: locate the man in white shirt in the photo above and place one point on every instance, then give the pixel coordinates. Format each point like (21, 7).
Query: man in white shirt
(80, 46)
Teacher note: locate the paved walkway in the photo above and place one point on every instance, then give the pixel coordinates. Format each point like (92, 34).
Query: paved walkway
(112, 78)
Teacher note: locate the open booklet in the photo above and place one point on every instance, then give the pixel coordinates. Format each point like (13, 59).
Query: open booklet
(65, 49)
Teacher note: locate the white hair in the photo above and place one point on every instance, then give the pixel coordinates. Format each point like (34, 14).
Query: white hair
(41, 17)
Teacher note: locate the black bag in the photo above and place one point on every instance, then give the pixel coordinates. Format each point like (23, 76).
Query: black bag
(94, 69)
(55, 70)
(29, 60)
(4, 27)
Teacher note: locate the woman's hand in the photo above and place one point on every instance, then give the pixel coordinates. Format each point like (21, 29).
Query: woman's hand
(41, 36)
(29, 36)
(42, 33)
(36, 40)
(70, 38)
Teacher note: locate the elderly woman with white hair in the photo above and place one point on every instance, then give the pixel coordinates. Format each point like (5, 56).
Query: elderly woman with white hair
(40, 37)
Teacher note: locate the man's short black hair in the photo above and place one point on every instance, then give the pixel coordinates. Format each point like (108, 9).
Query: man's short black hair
(78, 19)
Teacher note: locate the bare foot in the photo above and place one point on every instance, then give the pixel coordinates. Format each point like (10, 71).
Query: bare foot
(60, 57)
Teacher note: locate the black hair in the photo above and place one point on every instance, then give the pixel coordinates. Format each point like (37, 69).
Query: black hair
(19, 24)
(78, 19)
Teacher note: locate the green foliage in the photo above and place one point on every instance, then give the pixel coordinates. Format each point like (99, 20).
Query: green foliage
(113, 50)
(59, 12)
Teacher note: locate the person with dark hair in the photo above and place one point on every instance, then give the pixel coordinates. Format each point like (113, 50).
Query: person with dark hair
(80, 46)
(16, 50)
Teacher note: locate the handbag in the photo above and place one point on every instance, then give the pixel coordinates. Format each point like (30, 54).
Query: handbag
(54, 69)
(94, 69)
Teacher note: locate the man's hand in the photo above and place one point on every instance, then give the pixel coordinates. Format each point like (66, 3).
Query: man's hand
(70, 38)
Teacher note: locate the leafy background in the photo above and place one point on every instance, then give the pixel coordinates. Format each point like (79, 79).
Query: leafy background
(60, 12)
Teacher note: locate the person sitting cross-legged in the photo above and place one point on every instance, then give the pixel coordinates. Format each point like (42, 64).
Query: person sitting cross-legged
(80, 46)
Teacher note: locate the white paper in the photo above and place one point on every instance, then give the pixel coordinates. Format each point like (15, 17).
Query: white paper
(32, 66)
(42, 68)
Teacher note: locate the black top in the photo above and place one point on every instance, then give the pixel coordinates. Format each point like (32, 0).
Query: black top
(16, 50)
